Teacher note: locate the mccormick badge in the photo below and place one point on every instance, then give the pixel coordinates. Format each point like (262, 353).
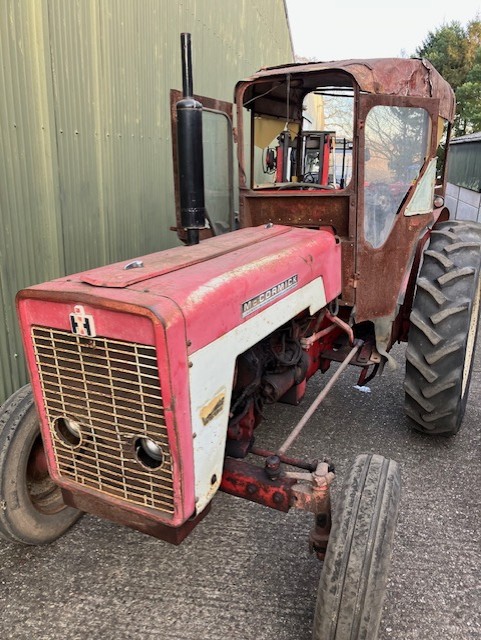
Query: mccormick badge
(81, 323)
(269, 295)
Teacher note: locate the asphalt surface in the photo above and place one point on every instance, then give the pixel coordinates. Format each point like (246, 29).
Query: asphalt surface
(245, 572)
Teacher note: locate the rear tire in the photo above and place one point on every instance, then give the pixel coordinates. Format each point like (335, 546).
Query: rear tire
(444, 324)
(353, 579)
(31, 507)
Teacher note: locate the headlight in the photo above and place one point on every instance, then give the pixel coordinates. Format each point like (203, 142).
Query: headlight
(149, 453)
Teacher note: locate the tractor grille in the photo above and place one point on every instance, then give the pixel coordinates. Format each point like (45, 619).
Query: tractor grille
(111, 391)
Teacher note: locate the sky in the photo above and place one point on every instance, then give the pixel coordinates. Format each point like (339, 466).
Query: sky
(370, 29)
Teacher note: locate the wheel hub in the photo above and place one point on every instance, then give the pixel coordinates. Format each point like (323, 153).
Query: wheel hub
(44, 494)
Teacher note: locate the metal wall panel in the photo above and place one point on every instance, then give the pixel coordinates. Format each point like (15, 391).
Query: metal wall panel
(86, 176)
(464, 165)
(30, 222)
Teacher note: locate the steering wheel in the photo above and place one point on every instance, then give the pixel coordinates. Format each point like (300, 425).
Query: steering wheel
(302, 185)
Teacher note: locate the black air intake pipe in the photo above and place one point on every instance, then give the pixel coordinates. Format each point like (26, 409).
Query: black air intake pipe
(189, 151)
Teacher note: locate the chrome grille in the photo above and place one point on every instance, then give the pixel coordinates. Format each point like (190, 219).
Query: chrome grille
(111, 390)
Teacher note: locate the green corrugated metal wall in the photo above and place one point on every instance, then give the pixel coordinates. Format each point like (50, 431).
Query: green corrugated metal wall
(464, 165)
(86, 172)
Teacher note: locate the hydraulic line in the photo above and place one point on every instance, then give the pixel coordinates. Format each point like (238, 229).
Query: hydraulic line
(302, 422)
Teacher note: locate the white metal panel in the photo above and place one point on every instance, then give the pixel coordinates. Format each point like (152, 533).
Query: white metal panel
(212, 374)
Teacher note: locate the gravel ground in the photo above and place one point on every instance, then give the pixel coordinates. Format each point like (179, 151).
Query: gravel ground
(245, 572)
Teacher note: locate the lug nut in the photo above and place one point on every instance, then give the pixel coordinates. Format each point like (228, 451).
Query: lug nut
(273, 467)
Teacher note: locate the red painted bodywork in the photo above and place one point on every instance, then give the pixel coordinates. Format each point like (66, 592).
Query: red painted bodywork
(251, 482)
(225, 272)
(171, 303)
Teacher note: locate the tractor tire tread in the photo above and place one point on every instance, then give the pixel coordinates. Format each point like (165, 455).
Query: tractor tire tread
(438, 317)
(457, 246)
(423, 326)
(430, 288)
(454, 275)
(415, 394)
(445, 233)
(443, 351)
(439, 257)
(440, 321)
(351, 589)
(421, 365)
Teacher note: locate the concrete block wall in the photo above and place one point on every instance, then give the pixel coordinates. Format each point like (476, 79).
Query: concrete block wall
(463, 204)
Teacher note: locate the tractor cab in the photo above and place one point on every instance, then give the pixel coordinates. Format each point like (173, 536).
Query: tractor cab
(352, 146)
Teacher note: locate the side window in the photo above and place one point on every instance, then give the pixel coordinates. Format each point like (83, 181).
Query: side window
(328, 119)
(396, 140)
(218, 170)
(266, 158)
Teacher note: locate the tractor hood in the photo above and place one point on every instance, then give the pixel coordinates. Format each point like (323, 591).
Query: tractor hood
(210, 288)
(126, 273)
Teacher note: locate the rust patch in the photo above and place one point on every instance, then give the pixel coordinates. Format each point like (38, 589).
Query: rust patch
(247, 481)
(213, 408)
(144, 524)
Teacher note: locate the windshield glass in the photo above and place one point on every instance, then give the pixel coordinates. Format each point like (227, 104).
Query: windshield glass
(395, 152)
(317, 151)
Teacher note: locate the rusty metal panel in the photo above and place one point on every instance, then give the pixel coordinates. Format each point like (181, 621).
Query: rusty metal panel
(87, 176)
(388, 76)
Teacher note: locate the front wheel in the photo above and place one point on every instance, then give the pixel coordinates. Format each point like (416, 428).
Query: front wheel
(31, 507)
(354, 574)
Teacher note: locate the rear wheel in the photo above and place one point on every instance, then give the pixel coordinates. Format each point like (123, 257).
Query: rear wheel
(32, 510)
(353, 579)
(444, 325)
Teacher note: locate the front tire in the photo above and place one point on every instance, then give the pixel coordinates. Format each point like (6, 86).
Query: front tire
(444, 324)
(31, 507)
(353, 579)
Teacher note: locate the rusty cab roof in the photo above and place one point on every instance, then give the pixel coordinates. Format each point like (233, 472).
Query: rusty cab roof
(384, 76)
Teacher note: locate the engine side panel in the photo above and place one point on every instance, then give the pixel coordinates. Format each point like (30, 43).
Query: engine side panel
(211, 380)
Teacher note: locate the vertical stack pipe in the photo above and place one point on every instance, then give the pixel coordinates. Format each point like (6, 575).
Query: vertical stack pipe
(189, 151)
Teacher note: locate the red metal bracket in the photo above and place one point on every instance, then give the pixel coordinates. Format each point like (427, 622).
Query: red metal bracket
(305, 491)
(245, 480)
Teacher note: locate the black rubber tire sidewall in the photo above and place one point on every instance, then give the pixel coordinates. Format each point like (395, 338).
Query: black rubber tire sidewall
(354, 574)
(20, 521)
(432, 411)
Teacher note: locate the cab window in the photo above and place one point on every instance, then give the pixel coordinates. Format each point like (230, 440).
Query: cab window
(396, 142)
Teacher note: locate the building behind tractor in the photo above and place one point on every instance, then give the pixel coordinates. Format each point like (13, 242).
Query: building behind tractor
(149, 377)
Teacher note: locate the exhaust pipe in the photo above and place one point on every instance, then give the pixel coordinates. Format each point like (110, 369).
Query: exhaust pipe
(189, 151)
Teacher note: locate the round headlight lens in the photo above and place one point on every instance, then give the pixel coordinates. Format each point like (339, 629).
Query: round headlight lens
(73, 426)
(149, 453)
(151, 448)
(68, 430)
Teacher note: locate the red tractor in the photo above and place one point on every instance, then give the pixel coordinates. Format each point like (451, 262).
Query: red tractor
(149, 377)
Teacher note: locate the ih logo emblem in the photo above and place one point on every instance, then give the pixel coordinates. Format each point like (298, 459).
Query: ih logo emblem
(81, 323)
